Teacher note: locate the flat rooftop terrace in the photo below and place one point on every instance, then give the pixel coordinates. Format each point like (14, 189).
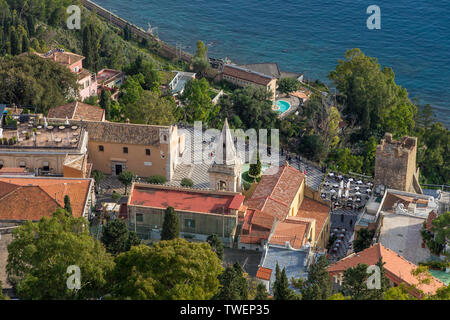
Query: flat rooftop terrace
(401, 233)
(58, 136)
(181, 199)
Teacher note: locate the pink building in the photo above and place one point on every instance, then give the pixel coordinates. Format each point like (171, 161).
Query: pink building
(86, 80)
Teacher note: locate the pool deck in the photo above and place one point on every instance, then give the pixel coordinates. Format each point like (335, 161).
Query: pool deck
(293, 101)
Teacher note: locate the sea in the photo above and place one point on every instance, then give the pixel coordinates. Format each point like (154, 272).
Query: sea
(310, 36)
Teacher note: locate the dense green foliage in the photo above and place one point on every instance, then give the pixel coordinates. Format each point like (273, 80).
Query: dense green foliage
(171, 225)
(318, 286)
(363, 239)
(127, 178)
(281, 290)
(287, 85)
(216, 245)
(161, 271)
(32, 81)
(67, 205)
(233, 284)
(156, 179)
(187, 183)
(41, 252)
(255, 168)
(117, 238)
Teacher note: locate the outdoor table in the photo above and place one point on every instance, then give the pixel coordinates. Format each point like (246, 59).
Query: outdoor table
(335, 230)
(359, 182)
(61, 127)
(337, 244)
(39, 127)
(74, 127)
(334, 249)
(50, 127)
(343, 230)
(342, 236)
(358, 200)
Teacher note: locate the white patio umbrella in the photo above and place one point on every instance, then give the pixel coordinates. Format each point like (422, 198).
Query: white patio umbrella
(357, 193)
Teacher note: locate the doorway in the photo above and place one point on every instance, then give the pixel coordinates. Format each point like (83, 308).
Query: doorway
(119, 169)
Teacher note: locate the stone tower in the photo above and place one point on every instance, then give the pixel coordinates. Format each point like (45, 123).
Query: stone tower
(226, 170)
(395, 164)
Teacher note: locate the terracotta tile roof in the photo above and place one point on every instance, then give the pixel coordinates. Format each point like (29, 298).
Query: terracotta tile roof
(276, 191)
(246, 74)
(264, 273)
(237, 202)
(294, 230)
(34, 198)
(181, 199)
(398, 269)
(391, 199)
(311, 209)
(114, 132)
(77, 111)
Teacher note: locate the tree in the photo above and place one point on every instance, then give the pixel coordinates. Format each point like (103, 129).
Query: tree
(338, 296)
(355, 284)
(288, 85)
(105, 103)
(67, 205)
(442, 293)
(169, 270)
(157, 179)
(197, 102)
(127, 178)
(98, 177)
(255, 168)
(261, 292)
(233, 284)
(116, 238)
(345, 161)
(312, 147)
(171, 225)
(200, 61)
(363, 239)
(399, 292)
(216, 245)
(254, 108)
(187, 183)
(281, 290)
(41, 252)
(370, 92)
(30, 80)
(441, 230)
(150, 108)
(318, 286)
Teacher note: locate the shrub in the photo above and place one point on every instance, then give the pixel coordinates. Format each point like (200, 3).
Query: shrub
(186, 182)
(156, 179)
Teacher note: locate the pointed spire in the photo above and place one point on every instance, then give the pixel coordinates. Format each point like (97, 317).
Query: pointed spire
(226, 152)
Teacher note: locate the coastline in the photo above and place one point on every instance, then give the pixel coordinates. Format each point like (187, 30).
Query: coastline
(423, 97)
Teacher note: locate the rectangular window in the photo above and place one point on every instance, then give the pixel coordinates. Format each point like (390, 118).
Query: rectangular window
(189, 223)
(22, 164)
(101, 148)
(125, 149)
(139, 217)
(147, 152)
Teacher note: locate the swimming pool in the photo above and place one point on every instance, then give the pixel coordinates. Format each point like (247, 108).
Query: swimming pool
(283, 106)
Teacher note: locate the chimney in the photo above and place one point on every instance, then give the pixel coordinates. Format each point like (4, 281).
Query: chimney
(68, 58)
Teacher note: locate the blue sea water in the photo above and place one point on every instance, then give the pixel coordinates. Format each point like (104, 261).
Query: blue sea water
(309, 36)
